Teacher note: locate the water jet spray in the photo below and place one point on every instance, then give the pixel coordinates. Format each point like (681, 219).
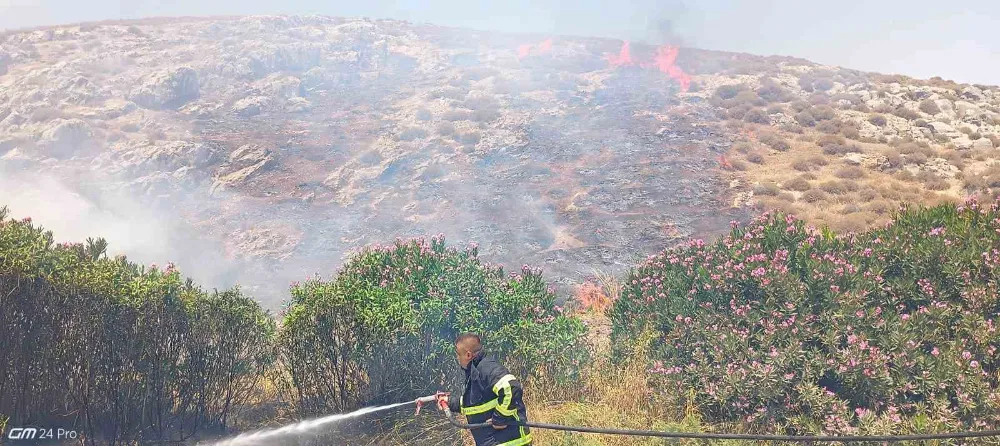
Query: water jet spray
(261, 436)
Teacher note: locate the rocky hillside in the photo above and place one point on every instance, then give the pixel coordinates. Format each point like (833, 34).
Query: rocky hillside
(287, 141)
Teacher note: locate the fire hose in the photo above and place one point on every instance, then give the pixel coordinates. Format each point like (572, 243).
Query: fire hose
(712, 436)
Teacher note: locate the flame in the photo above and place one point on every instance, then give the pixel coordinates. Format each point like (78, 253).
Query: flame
(724, 163)
(528, 49)
(523, 51)
(545, 46)
(665, 58)
(624, 57)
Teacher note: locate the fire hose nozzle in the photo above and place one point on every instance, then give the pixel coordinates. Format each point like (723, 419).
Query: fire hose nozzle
(424, 400)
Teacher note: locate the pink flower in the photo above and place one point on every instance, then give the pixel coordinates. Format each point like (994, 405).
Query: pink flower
(935, 351)
(966, 355)
(974, 364)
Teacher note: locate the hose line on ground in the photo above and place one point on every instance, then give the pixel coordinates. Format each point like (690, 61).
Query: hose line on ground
(711, 436)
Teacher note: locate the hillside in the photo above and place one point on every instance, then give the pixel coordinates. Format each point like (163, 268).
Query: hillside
(282, 142)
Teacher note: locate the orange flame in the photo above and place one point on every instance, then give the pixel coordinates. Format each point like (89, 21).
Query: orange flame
(665, 57)
(592, 298)
(523, 51)
(527, 49)
(624, 57)
(724, 163)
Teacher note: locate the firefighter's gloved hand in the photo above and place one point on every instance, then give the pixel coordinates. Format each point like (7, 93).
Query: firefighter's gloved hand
(442, 400)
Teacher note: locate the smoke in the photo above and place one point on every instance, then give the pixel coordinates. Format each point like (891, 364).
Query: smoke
(147, 232)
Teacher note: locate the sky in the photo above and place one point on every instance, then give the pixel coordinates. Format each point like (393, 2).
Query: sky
(956, 40)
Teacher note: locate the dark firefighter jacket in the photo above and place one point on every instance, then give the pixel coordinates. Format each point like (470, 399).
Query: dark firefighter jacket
(491, 392)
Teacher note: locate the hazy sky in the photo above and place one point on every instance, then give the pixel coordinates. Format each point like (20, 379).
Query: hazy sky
(956, 40)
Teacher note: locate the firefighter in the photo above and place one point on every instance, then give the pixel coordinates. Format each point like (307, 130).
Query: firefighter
(491, 394)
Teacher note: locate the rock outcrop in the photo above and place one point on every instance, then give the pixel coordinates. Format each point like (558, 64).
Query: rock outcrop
(170, 88)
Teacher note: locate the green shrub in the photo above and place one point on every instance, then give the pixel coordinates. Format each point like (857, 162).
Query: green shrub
(145, 354)
(829, 333)
(383, 328)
